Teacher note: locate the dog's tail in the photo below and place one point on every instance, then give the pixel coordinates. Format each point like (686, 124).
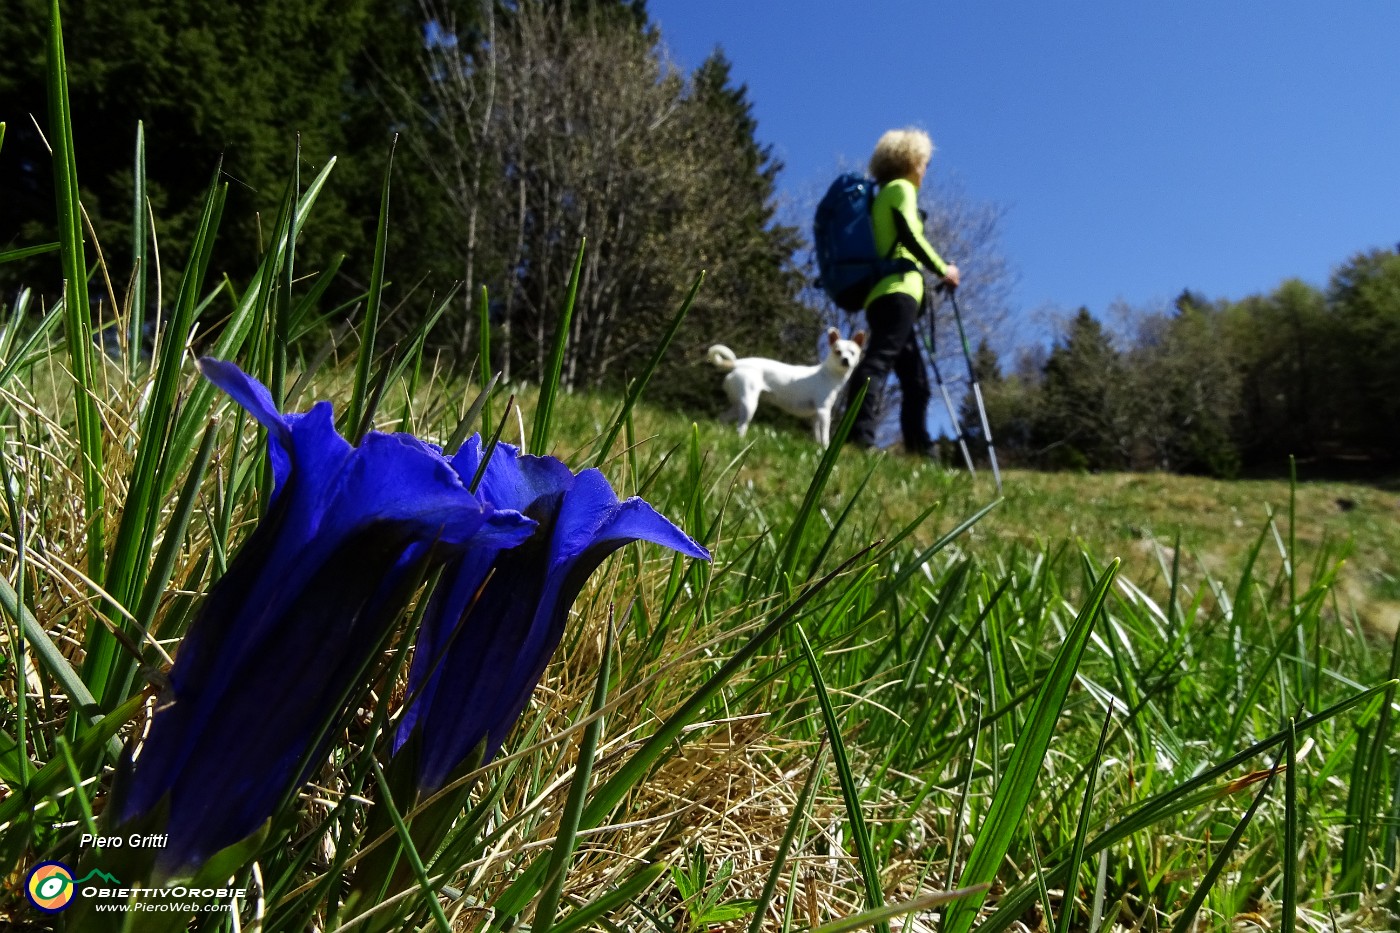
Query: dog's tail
(722, 356)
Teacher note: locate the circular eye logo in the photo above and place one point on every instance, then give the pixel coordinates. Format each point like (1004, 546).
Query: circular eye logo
(50, 886)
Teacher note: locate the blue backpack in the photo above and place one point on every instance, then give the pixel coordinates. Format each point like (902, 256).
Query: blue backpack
(848, 264)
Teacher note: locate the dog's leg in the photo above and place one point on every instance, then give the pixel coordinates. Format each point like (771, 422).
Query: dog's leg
(821, 427)
(743, 401)
(734, 388)
(746, 405)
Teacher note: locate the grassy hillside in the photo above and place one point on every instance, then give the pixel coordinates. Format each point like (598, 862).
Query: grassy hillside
(945, 649)
(1139, 518)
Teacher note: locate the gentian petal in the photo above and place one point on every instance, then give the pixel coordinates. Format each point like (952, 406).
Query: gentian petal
(248, 392)
(596, 519)
(284, 637)
(486, 640)
(512, 480)
(440, 629)
(254, 397)
(397, 477)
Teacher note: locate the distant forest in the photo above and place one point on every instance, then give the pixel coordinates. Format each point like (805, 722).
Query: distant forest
(521, 129)
(511, 131)
(1215, 387)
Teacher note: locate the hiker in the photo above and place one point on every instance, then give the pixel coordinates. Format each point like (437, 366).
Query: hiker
(892, 308)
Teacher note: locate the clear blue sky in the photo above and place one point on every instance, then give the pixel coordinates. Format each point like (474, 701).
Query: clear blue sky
(1139, 148)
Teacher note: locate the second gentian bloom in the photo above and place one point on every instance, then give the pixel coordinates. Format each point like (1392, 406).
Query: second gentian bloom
(285, 638)
(497, 617)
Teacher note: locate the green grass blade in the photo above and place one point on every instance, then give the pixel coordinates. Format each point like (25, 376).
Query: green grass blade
(103, 727)
(138, 515)
(626, 893)
(1171, 801)
(896, 584)
(489, 450)
(378, 384)
(77, 308)
(865, 852)
(476, 410)
(30, 352)
(386, 798)
(15, 768)
(612, 793)
(414, 355)
(25, 252)
(18, 777)
(947, 597)
(282, 309)
(49, 779)
(66, 754)
(106, 670)
(1289, 906)
(567, 838)
(964, 793)
(799, 813)
(359, 395)
(797, 530)
(229, 345)
(638, 386)
(1366, 797)
(881, 916)
(163, 567)
(1014, 792)
(1191, 793)
(1082, 830)
(1041, 887)
(1187, 919)
(49, 657)
(487, 373)
(542, 431)
(271, 324)
(302, 322)
(833, 535)
(140, 261)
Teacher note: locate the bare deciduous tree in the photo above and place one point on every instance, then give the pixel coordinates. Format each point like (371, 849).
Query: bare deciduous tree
(548, 125)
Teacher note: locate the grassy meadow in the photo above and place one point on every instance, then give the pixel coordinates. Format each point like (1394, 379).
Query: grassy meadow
(891, 701)
(1140, 518)
(932, 638)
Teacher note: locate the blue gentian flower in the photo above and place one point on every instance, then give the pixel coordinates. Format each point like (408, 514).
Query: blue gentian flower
(285, 637)
(496, 618)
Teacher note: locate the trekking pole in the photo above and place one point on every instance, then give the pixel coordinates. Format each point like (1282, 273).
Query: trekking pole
(976, 391)
(932, 355)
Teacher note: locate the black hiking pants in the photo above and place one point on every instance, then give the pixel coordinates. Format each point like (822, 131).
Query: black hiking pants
(893, 345)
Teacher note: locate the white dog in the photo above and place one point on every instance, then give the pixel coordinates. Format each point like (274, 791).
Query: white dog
(804, 391)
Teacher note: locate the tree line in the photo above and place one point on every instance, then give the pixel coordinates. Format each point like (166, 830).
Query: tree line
(518, 129)
(1216, 387)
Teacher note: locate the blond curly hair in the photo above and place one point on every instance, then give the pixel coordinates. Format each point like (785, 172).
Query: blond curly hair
(900, 152)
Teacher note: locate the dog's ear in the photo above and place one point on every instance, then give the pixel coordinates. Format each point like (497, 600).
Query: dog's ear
(832, 335)
(859, 339)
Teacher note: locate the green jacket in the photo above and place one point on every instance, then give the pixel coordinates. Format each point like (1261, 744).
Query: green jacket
(899, 233)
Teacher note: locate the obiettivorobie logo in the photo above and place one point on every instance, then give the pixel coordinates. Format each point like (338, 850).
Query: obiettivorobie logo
(51, 885)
